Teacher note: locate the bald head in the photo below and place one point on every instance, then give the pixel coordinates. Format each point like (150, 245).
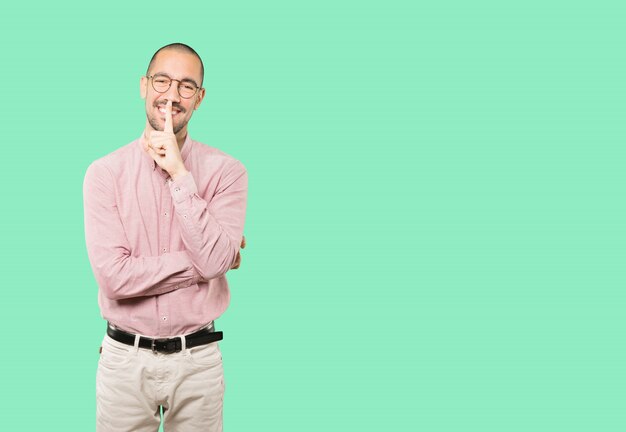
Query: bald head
(178, 47)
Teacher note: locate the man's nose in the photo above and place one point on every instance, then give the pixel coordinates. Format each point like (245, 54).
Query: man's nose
(172, 92)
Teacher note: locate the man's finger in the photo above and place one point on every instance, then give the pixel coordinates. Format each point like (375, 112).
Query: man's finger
(168, 118)
(243, 241)
(158, 150)
(146, 141)
(158, 143)
(151, 152)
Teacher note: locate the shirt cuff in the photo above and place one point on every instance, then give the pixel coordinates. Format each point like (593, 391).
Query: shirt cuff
(183, 188)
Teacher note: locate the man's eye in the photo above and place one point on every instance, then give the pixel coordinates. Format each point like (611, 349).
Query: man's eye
(162, 81)
(189, 87)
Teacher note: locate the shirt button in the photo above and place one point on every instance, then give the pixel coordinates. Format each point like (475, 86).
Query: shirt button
(177, 189)
(165, 213)
(164, 250)
(164, 318)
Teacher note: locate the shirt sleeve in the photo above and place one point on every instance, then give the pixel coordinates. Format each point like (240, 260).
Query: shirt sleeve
(118, 274)
(212, 229)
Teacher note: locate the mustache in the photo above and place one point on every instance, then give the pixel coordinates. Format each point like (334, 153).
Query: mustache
(178, 107)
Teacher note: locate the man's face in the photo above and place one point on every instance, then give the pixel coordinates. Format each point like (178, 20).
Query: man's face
(177, 66)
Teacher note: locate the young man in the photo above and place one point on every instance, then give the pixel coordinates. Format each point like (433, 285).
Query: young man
(164, 219)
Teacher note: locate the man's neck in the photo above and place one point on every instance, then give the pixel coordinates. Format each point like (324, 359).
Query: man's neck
(181, 140)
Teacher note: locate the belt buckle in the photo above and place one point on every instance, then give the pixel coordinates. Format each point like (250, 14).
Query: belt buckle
(171, 345)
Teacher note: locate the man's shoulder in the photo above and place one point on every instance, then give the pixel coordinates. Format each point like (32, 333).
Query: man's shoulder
(117, 159)
(119, 155)
(214, 156)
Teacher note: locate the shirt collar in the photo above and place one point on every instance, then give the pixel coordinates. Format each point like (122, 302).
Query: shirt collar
(152, 163)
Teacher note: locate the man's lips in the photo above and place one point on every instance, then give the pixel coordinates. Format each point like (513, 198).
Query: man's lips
(161, 109)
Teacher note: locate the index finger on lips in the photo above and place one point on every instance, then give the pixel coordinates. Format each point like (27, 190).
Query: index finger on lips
(168, 118)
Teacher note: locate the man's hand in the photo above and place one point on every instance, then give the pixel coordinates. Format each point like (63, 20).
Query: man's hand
(238, 259)
(163, 148)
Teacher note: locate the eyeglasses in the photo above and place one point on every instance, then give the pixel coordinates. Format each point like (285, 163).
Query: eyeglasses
(162, 83)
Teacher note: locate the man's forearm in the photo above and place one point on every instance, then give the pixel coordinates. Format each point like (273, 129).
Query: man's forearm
(122, 277)
(212, 231)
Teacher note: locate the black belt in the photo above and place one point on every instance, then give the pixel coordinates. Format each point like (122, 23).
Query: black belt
(201, 337)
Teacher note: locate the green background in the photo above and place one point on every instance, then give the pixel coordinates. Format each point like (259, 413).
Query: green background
(435, 224)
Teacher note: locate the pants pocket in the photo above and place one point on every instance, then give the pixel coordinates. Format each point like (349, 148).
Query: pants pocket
(205, 355)
(114, 353)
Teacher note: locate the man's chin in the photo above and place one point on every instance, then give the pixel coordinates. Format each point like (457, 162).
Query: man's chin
(157, 126)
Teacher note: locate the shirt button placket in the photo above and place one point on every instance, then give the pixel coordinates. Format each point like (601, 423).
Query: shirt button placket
(165, 219)
(165, 225)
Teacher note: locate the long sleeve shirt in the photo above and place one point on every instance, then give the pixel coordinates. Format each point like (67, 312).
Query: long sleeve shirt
(160, 248)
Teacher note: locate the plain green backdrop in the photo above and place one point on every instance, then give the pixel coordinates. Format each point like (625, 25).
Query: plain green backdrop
(436, 217)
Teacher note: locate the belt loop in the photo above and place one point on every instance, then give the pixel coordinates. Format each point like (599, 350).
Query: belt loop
(183, 342)
(137, 343)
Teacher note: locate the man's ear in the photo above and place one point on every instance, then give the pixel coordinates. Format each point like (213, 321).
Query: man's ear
(200, 97)
(143, 86)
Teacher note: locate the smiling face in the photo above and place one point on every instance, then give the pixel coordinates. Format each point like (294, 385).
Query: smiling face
(177, 66)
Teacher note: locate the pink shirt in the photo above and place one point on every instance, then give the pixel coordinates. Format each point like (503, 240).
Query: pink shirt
(160, 249)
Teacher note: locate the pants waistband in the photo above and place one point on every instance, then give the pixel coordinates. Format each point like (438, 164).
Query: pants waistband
(205, 335)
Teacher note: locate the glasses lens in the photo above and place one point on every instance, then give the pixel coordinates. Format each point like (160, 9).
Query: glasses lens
(186, 90)
(161, 84)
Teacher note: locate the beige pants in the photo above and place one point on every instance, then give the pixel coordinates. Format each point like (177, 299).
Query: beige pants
(132, 384)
